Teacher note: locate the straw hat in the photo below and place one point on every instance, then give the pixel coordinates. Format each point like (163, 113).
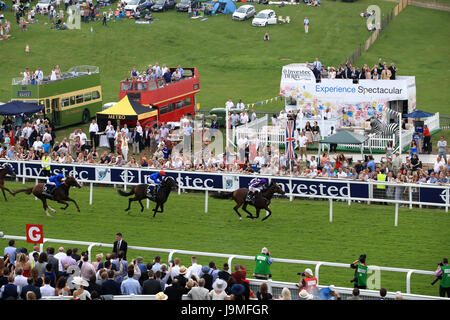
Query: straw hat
(161, 296)
(182, 270)
(304, 295)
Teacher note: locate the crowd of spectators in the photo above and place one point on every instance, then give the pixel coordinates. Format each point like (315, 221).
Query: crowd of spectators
(35, 275)
(154, 148)
(153, 72)
(380, 70)
(37, 76)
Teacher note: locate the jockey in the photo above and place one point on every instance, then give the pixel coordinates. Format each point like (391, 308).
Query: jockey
(52, 184)
(255, 186)
(155, 180)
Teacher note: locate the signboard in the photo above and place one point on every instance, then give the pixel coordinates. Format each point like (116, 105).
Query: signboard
(35, 233)
(217, 181)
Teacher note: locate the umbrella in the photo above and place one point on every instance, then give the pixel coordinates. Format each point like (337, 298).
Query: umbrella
(419, 114)
(19, 107)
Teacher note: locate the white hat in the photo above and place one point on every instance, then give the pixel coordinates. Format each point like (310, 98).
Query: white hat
(303, 294)
(219, 285)
(332, 288)
(308, 270)
(264, 250)
(80, 282)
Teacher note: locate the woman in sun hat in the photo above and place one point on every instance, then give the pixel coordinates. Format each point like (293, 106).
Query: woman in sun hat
(80, 293)
(237, 292)
(218, 291)
(304, 295)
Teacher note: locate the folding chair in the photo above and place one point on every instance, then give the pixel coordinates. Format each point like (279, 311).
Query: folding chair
(288, 19)
(281, 20)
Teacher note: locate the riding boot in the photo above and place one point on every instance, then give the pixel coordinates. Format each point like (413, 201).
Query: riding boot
(249, 196)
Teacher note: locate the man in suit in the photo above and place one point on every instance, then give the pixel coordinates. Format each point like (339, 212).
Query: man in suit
(120, 245)
(152, 285)
(146, 138)
(110, 286)
(135, 140)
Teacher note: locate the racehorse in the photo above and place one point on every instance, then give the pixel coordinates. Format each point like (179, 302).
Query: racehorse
(61, 194)
(262, 200)
(4, 170)
(140, 193)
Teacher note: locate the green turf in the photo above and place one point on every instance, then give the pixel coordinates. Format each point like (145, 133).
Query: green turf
(297, 230)
(232, 58)
(417, 41)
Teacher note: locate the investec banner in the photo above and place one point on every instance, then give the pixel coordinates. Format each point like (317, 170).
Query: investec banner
(216, 181)
(296, 73)
(365, 90)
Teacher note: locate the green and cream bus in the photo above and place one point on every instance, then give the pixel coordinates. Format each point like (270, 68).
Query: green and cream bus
(73, 98)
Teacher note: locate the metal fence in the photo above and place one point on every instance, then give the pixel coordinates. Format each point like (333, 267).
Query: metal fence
(274, 286)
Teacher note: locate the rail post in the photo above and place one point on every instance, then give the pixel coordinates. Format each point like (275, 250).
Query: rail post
(396, 215)
(447, 199)
(410, 197)
(206, 201)
(408, 281)
(317, 271)
(331, 209)
(90, 192)
(349, 201)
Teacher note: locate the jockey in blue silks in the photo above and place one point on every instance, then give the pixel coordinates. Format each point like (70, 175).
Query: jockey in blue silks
(154, 181)
(53, 183)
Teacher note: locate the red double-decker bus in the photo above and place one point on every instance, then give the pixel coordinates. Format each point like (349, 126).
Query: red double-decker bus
(172, 99)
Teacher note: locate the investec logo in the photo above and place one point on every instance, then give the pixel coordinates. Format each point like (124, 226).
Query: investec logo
(315, 189)
(296, 74)
(443, 196)
(37, 171)
(127, 176)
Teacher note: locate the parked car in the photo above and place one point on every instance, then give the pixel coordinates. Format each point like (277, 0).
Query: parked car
(264, 17)
(163, 5)
(183, 5)
(45, 4)
(244, 12)
(135, 5)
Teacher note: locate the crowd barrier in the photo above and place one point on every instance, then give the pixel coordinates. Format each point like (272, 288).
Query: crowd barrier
(274, 286)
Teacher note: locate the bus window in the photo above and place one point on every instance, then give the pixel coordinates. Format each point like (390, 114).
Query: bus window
(65, 102)
(152, 85)
(172, 107)
(126, 86)
(187, 102)
(161, 83)
(179, 104)
(87, 96)
(95, 95)
(79, 98)
(72, 100)
(163, 110)
(140, 86)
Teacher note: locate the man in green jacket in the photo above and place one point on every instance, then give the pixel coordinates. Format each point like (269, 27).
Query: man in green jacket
(360, 277)
(262, 265)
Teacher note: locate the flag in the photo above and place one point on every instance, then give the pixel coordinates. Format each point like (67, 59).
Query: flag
(290, 139)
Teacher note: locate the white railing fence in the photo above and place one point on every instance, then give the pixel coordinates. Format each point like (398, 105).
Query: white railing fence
(230, 257)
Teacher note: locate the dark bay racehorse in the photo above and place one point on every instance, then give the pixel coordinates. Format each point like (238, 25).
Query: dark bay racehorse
(4, 170)
(61, 195)
(262, 200)
(140, 193)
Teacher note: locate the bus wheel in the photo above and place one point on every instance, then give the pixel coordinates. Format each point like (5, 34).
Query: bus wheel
(86, 116)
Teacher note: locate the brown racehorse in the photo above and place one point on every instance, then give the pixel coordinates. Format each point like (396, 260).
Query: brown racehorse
(262, 200)
(61, 194)
(4, 170)
(140, 193)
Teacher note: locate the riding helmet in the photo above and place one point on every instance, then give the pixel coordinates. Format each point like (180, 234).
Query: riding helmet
(162, 173)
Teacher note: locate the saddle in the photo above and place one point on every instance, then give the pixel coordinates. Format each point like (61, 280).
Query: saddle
(151, 191)
(49, 190)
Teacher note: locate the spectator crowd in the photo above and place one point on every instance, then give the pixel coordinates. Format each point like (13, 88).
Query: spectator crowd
(69, 273)
(155, 148)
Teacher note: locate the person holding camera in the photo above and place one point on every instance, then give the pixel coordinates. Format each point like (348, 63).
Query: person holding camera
(262, 266)
(443, 274)
(360, 278)
(307, 281)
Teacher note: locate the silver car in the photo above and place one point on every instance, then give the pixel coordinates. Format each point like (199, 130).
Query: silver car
(244, 12)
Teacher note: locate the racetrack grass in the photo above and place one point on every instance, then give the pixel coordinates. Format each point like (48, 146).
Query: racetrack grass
(231, 56)
(296, 230)
(417, 40)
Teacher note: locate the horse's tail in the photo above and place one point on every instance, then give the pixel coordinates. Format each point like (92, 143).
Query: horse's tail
(27, 191)
(126, 194)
